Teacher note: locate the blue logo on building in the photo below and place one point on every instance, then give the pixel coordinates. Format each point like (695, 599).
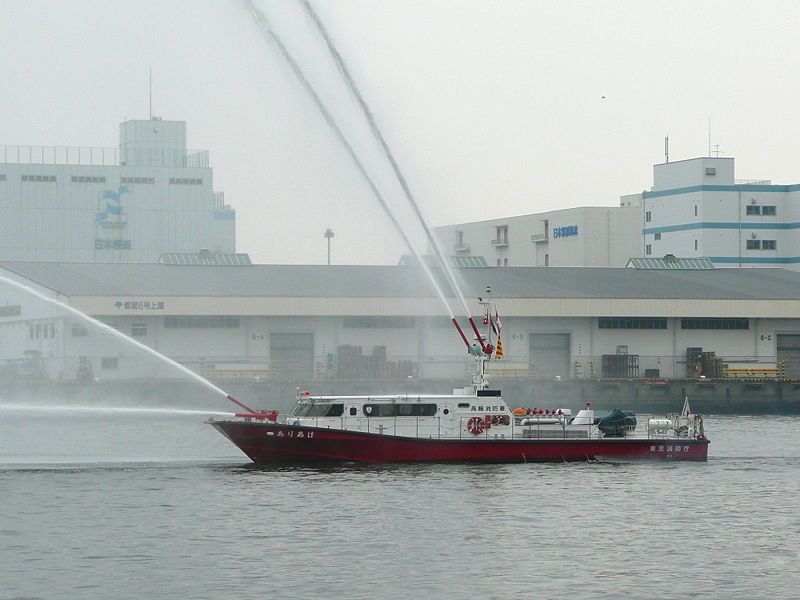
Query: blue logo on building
(110, 219)
(567, 231)
(113, 203)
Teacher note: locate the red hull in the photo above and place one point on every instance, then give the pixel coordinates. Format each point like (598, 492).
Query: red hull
(273, 443)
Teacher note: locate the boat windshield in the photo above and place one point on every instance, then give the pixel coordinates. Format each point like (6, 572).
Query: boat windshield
(318, 409)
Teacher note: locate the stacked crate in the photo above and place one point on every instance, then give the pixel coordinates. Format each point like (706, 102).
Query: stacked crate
(621, 366)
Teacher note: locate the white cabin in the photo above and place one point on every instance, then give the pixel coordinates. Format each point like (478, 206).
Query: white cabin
(481, 416)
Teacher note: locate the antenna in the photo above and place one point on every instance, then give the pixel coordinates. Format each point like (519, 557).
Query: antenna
(151, 92)
(709, 136)
(666, 148)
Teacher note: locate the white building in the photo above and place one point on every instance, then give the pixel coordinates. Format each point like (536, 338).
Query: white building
(353, 323)
(128, 204)
(697, 208)
(592, 236)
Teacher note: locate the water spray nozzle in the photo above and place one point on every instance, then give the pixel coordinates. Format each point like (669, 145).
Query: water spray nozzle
(242, 404)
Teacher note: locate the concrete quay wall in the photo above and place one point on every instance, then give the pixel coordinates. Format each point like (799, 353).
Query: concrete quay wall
(706, 396)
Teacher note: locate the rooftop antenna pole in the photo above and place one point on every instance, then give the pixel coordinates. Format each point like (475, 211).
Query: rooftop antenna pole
(709, 136)
(329, 234)
(666, 148)
(151, 92)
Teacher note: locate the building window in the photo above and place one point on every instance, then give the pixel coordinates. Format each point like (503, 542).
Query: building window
(139, 330)
(754, 244)
(768, 244)
(631, 323)
(11, 310)
(459, 237)
(648, 249)
(647, 216)
(501, 234)
(711, 170)
(379, 322)
(768, 211)
(149, 180)
(695, 210)
(185, 181)
(657, 237)
(752, 209)
(48, 178)
(695, 244)
(110, 323)
(505, 262)
(79, 330)
(715, 323)
(498, 262)
(201, 322)
(109, 362)
(546, 260)
(87, 179)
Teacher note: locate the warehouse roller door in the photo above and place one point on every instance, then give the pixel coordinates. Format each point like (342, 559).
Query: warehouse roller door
(549, 354)
(291, 355)
(789, 354)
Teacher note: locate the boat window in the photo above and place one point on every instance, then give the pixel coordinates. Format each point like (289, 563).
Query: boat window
(463, 405)
(353, 411)
(325, 410)
(404, 410)
(379, 410)
(400, 410)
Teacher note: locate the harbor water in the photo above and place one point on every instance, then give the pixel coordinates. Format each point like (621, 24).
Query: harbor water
(146, 505)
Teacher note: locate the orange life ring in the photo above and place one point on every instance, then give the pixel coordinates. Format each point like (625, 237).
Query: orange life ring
(475, 425)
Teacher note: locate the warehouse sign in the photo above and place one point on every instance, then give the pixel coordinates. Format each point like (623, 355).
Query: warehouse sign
(101, 244)
(139, 305)
(566, 231)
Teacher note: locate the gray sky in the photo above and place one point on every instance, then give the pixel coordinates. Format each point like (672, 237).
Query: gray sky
(493, 108)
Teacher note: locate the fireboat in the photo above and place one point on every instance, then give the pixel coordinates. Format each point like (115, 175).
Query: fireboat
(473, 424)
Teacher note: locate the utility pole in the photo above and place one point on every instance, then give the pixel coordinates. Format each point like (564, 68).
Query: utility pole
(329, 234)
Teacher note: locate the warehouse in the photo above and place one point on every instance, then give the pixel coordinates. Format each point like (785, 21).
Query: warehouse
(660, 319)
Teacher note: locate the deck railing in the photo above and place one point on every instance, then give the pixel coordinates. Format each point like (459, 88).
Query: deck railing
(435, 430)
(157, 156)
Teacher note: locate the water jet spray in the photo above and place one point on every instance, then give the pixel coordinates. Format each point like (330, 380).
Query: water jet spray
(378, 135)
(121, 336)
(272, 36)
